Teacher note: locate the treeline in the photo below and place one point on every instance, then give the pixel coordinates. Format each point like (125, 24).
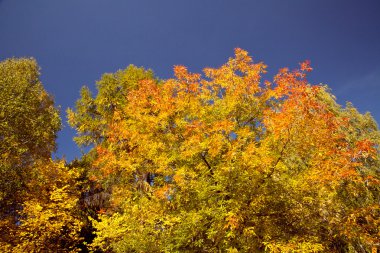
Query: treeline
(219, 162)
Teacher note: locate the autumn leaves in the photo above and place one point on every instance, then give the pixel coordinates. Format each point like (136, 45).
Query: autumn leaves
(224, 162)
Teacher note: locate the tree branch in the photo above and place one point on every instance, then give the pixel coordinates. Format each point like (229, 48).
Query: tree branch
(203, 156)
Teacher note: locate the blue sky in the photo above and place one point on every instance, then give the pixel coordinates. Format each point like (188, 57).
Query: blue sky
(76, 41)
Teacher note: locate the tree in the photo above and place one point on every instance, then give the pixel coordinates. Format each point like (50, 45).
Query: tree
(28, 126)
(226, 163)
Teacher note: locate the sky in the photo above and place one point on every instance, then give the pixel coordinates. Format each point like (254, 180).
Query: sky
(76, 41)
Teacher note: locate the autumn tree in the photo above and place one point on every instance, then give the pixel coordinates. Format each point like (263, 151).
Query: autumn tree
(28, 126)
(38, 196)
(228, 163)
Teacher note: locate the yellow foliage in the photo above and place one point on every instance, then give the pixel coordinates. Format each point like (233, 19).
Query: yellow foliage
(228, 163)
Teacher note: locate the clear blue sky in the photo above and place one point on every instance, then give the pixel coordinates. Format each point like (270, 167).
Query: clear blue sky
(76, 41)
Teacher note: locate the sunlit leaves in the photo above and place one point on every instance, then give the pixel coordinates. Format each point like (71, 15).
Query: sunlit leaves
(228, 162)
(92, 115)
(49, 221)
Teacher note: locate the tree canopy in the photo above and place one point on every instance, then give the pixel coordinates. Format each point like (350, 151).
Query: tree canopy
(227, 163)
(223, 161)
(28, 126)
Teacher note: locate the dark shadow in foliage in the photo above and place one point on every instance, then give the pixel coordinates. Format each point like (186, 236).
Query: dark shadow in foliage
(93, 199)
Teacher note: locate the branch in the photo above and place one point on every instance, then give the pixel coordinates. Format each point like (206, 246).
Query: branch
(203, 156)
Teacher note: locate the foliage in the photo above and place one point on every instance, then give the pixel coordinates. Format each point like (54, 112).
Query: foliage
(226, 163)
(49, 220)
(219, 162)
(28, 126)
(91, 119)
(93, 115)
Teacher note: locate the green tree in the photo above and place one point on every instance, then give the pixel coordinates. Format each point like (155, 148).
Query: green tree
(28, 127)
